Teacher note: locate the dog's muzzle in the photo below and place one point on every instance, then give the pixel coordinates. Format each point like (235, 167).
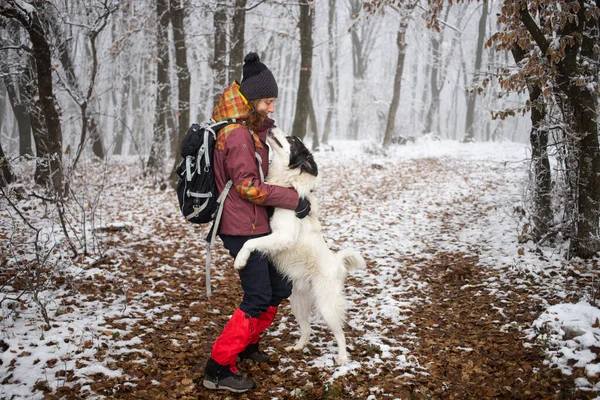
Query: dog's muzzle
(271, 136)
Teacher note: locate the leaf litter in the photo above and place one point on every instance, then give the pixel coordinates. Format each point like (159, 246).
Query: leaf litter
(449, 306)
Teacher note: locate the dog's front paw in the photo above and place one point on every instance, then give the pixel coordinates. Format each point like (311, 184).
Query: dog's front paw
(241, 260)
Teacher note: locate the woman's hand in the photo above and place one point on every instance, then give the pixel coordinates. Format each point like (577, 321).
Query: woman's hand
(303, 208)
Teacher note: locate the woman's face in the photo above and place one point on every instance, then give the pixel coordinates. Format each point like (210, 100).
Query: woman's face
(266, 106)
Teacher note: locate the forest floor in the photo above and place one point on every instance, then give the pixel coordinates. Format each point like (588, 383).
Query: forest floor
(444, 308)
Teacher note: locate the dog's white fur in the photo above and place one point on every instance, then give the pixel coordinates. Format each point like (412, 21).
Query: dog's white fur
(297, 248)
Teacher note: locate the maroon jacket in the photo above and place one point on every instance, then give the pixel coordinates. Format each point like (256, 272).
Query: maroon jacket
(244, 210)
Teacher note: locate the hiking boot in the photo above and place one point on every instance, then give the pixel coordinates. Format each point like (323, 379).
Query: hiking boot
(252, 352)
(217, 376)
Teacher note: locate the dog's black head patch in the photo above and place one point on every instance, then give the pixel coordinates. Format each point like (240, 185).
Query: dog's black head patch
(301, 157)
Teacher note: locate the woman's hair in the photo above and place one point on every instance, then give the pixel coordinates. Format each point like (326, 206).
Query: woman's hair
(255, 119)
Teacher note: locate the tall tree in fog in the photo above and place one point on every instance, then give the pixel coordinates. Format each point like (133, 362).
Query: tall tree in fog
(123, 61)
(540, 169)
(18, 76)
(236, 57)
(560, 45)
(306, 51)
(404, 17)
(331, 72)
(312, 123)
(436, 78)
(85, 99)
(78, 96)
(219, 51)
(6, 175)
(361, 35)
(48, 140)
(470, 117)
(183, 78)
(157, 152)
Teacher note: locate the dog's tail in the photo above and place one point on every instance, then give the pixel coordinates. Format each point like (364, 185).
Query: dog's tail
(351, 260)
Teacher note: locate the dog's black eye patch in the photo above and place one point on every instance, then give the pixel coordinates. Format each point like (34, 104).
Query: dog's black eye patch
(301, 157)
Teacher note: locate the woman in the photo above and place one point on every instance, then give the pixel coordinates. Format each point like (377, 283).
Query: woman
(245, 216)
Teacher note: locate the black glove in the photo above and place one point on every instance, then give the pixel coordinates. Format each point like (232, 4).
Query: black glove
(303, 208)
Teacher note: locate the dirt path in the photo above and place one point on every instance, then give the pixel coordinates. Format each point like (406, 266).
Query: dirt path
(424, 322)
(461, 350)
(472, 346)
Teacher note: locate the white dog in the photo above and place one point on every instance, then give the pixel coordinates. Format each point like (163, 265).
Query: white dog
(297, 248)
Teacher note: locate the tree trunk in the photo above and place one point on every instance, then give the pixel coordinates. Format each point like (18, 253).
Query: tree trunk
(391, 118)
(157, 152)
(581, 114)
(357, 67)
(91, 128)
(220, 52)
(331, 75)
(470, 118)
(3, 95)
(236, 57)
(306, 44)
(585, 116)
(541, 174)
(6, 175)
(139, 82)
(434, 104)
(49, 140)
(183, 78)
(312, 118)
(121, 123)
(125, 73)
(360, 50)
(20, 100)
(19, 106)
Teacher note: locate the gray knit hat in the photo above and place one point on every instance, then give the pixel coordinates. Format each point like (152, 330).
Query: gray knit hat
(257, 81)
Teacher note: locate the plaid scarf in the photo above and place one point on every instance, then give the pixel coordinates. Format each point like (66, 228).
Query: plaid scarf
(232, 104)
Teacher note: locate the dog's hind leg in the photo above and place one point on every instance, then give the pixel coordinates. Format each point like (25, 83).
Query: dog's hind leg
(331, 305)
(301, 303)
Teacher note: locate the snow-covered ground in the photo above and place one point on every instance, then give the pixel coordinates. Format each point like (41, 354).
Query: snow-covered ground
(387, 206)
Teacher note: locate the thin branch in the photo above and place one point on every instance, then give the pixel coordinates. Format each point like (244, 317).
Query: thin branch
(442, 22)
(14, 206)
(21, 47)
(534, 30)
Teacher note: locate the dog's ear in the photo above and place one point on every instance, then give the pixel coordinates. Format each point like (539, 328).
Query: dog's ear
(310, 166)
(301, 157)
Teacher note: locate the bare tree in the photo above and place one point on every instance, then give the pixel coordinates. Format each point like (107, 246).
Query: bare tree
(6, 175)
(312, 119)
(18, 79)
(436, 78)
(85, 100)
(541, 173)
(559, 43)
(331, 73)
(236, 57)
(361, 35)
(220, 51)
(470, 117)
(306, 52)
(405, 15)
(183, 77)
(49, 140)
(157, 152)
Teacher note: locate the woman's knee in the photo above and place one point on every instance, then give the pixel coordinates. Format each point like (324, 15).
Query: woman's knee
(280, 292)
